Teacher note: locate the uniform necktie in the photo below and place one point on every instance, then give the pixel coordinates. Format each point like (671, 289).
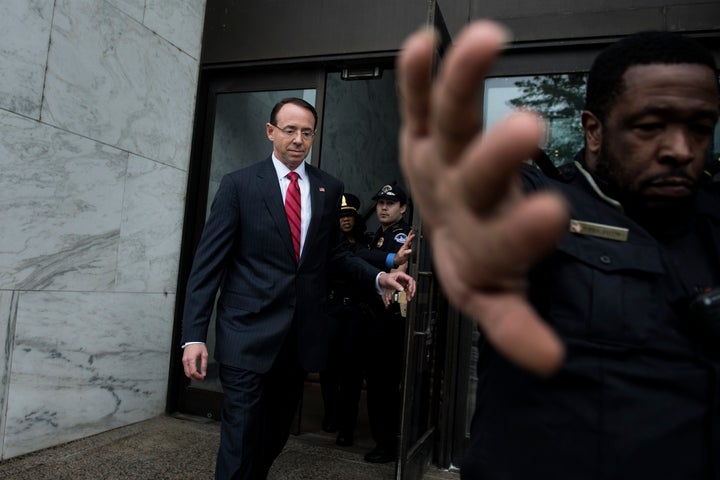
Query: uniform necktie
(292, 210)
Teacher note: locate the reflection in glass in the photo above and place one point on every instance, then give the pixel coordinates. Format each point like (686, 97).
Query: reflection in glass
(559, 98)
(361, 123)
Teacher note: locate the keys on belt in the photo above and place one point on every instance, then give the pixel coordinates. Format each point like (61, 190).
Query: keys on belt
(401, 299)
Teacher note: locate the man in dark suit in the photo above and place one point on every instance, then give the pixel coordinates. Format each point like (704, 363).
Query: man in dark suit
(271, 322)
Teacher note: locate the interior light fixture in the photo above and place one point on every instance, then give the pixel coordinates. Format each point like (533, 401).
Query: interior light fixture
(361, 73)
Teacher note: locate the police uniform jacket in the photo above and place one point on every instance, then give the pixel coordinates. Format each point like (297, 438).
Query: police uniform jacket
(384, 242)
(639, 393)
(387, 241)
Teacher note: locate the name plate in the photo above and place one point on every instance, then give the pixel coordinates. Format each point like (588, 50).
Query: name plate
(599, 230)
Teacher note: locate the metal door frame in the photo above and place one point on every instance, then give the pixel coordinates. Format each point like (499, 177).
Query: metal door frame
(416, 455)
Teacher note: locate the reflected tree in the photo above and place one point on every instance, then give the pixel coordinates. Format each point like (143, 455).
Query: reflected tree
(560, 99)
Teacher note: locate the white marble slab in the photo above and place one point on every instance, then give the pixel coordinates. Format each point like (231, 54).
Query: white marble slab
(7, 329)
(134, 8)
(24, 40)
(151, 229)
(180, 22)
(60, 208)
(84, 363)
(112, 79)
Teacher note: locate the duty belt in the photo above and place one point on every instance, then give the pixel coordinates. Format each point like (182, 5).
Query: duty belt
(342, 301)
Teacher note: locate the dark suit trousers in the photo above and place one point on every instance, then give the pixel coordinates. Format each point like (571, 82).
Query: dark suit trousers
(258, 410)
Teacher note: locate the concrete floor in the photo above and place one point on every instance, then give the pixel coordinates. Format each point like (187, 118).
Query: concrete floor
(180, 447)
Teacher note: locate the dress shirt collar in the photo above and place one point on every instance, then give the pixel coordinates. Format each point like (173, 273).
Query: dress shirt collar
(283, 170)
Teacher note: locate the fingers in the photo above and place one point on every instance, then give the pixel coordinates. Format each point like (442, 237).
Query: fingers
(192, 355)
(414, 71)
(518, 239)
(389, 281)
(409, 240)
(467, 189)
(403, 254)
(409, 287)
(203, 365)
(490, 165)
(454, 105)
(492, 289)
(516, 331)
(398, 281)
(532, 230)
(441, 119)
(387, 296)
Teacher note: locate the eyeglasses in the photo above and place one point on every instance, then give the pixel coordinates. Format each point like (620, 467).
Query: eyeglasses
(306, 133)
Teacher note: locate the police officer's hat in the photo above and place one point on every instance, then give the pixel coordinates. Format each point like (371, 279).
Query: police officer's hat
(349, 205)
(392, 192)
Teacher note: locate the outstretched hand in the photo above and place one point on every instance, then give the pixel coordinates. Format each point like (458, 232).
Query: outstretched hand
(485, 233)
(396, 281)
(402, 256)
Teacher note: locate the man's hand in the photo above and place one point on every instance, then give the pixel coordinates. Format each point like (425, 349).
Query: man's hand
(403, 254)
(192, 355)
(396, 281)
(387, 296)
(485, 233)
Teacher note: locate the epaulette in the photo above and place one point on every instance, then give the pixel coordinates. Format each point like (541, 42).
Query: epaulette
(566, 172)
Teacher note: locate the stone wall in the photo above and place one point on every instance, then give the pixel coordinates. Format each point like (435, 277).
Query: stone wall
(97, 100)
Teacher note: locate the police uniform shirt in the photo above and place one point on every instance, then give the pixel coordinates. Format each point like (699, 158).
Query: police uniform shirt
(392, 238)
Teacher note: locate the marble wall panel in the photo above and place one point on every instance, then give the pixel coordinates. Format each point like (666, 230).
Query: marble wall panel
(180, 22)
(151, 229)
(85, 363)
(60, 208)
(134, 8)
(7, 329)
(24, 40)
(111, 79)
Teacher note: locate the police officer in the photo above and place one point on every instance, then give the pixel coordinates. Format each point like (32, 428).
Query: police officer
(610, 256)
(386, 329)
(350, 306)
(341, 383)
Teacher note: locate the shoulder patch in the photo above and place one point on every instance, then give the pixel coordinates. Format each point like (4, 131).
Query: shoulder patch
(400, 237)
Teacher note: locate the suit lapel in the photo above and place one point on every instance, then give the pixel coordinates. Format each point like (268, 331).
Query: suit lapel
(269, 190)
(318, 198)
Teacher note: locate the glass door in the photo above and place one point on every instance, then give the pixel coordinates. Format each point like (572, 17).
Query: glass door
(233, 137)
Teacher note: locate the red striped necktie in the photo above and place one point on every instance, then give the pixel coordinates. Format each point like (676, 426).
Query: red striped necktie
(292, 210)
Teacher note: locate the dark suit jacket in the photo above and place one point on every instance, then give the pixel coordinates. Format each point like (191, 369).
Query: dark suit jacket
(246, 252)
